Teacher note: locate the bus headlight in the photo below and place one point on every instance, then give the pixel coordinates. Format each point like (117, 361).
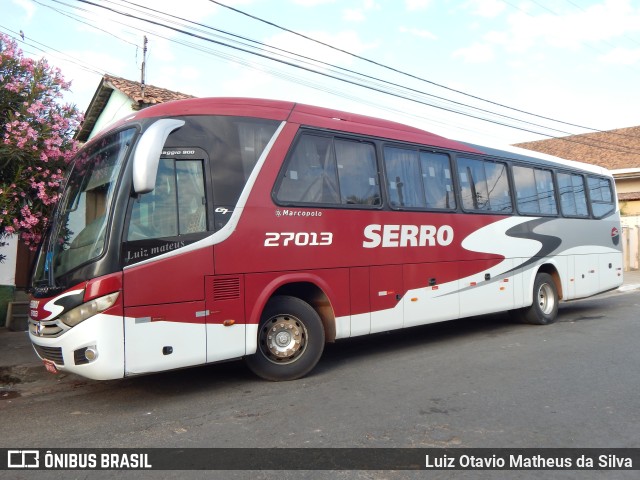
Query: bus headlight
(86, 310)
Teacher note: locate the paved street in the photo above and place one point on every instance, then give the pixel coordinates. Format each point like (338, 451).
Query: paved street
(479, 382)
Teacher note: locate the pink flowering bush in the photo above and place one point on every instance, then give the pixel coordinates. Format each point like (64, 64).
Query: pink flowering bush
(36, 141)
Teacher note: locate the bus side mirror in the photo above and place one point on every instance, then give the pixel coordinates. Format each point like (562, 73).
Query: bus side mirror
(147, 154)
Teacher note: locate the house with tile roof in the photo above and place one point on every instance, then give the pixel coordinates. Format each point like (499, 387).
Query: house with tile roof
(619, 151)
(115, 98)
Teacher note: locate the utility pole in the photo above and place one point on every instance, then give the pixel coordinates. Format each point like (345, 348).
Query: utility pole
(144, 58)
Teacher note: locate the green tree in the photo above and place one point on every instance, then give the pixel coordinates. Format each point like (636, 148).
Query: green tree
(36, 141)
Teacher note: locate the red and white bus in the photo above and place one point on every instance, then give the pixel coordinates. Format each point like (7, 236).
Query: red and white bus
(205, 230)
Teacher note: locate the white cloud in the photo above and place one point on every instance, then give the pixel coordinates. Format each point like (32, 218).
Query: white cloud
(346, 40)
(413, 5)
(418, 33)
(622, 56)
(179, 78)
(524, 32)
(185, 9)
(241, 80)
(476, 53)
(358, 14)
(84, 83)
(608, 20)
(486, 8)
(160, 49)
(353, 15)
(28, 6)
(312, 3)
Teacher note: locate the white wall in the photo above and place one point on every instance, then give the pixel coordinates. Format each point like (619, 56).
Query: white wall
(118, 107)
(8, 248)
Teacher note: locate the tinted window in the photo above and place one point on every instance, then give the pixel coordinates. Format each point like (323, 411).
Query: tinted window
(357, 173)
(535, 193)
(573, 200)
(176, 206)
(79, 234)
(321, 170)
(234, 145)
(310, 175)
(437, 180)
(484, 185)
(403, 177)
(601, 196)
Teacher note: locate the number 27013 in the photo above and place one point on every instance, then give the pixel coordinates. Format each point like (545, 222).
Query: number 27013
(300, 239)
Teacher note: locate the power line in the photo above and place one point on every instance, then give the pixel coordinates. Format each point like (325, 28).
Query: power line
(289, 63)
(146, 9)
(63, 56)
(579, 7)
(616, 147)
(358, 74)
(75, 17)
(395, 70)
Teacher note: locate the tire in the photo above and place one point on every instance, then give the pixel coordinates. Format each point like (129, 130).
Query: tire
(544, 309)
(290, 340)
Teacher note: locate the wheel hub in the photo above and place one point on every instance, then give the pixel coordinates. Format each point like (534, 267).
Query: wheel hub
(283, 339)
(545, 299)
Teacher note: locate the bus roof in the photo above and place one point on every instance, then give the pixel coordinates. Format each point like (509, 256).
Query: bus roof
(321, 117)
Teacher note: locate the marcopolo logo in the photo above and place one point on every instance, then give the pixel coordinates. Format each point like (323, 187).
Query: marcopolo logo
(407, 236)
(297, 213)
(615, 236)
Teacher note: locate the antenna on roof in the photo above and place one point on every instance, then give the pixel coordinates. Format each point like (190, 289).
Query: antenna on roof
(144, 58)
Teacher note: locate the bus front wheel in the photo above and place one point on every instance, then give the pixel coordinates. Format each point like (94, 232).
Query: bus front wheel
(290, 340)
(544, 309)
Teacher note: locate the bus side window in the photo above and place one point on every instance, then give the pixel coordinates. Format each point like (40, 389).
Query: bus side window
(601, 197)
(357, 173)
(572, 195)
(473, 184)
(310, 175)
(535, 192)
(192, 203)
(328, 171)
(484, 185)
(498, 187)
(403, 177)
(437, 180)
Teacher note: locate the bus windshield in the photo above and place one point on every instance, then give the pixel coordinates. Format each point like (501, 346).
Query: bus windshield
(79, 224)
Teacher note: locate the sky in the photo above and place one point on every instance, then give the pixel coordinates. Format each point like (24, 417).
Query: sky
(492, 72)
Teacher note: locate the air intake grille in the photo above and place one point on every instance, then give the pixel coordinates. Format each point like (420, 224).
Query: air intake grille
(50, 353)
(226, 288)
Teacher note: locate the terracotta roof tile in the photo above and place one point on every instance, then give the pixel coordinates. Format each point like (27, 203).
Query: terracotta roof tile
(628, 196)
(151, 96)
(613, 149)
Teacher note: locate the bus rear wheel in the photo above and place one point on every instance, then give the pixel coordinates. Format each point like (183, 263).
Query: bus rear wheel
(544, 309)
(290, 340)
